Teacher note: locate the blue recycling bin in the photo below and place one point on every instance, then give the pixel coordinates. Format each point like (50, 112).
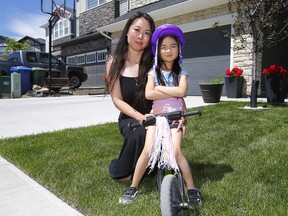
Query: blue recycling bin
(25, 73)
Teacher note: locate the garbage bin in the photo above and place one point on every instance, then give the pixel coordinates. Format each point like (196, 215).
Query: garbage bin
(15, 85)
(25, 73)
(5, 84)
(38, 74)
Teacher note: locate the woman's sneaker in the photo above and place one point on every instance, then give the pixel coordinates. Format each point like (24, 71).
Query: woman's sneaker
(194, 199)
(129, 194)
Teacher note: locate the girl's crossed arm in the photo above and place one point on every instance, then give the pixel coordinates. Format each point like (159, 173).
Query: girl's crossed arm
(177, 91)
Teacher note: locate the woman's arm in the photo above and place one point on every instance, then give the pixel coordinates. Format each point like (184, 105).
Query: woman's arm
(119, 103)
(177, 91)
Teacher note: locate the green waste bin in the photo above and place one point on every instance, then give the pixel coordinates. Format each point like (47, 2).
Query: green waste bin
(5, 84)
(38, 74)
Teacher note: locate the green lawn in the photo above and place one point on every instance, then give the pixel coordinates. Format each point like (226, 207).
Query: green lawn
(238, 159)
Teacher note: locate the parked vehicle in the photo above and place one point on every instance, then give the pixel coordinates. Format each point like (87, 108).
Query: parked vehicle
(76, 74)
(5, 67)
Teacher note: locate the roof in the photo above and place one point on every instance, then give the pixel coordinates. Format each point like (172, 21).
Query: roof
(38, 40)
(162, 10)
(2, 37)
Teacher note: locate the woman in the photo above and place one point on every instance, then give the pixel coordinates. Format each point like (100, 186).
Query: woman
(127, 77)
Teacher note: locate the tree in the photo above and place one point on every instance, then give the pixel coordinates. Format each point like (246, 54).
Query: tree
(264, 22)
(13, 45)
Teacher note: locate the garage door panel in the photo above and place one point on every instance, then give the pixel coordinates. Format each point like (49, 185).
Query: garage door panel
(205, 43)
(206, 53)
(201, 69)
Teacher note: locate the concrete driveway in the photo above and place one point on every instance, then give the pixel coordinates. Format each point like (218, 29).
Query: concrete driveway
(34, 115)
(27, 116)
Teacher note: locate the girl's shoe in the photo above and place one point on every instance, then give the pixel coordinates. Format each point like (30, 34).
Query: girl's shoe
(194, 199)
(129, 194)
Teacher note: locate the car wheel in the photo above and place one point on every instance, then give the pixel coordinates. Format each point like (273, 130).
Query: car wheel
(75, 81)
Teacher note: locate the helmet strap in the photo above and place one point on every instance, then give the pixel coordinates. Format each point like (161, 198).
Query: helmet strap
(180, 54)
(156, 55)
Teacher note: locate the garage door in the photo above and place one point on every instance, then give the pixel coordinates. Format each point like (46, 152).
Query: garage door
(206, 53)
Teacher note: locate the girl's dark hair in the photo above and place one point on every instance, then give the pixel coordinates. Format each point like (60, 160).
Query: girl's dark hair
(119, 57)
(176, 68)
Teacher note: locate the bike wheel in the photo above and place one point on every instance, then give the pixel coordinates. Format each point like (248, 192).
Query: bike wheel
(170, 198)
(160, 177)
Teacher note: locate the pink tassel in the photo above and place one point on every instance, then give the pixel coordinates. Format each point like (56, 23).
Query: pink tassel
(162, 149)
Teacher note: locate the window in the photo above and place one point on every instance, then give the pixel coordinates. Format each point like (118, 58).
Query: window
(101, 55)
(80, 59)
(94, 3)
(31, 57)
(71, 60)
(66, 27)
(15, 56)
(91, 57)
(44, 59)
(2, 50)
(88, 58)
(61, 28)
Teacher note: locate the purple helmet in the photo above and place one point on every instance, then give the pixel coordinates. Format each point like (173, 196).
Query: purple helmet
(167, 29)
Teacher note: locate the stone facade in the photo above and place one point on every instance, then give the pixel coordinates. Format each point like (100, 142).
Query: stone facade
(86, 47)
(243, 57)
(60, 41)
(90, 20)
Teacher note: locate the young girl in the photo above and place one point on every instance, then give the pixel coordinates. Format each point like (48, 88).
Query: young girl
(166, 86)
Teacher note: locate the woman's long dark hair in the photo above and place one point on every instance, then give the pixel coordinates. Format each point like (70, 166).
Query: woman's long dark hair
(119, 57)
(176, 68)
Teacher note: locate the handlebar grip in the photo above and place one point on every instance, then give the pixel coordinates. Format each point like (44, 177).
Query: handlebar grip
(150, 120)
(194, 112)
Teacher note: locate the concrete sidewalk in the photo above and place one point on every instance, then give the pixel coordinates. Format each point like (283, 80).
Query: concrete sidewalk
(19, 194)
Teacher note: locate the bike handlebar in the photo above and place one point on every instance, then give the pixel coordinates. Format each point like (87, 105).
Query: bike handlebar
(171, 116)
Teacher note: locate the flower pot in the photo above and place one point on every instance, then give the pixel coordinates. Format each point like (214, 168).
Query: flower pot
(211, 93)
(234, 86)
(276, 88)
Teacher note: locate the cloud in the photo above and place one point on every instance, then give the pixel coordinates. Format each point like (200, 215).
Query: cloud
(27, 24)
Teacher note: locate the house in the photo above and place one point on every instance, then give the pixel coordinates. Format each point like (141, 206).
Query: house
(63, 29)
(98, 25)
(3, 46)
(35, 44)
(206, 51)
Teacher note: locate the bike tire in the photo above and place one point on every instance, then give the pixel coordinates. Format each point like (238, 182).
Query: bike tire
(160, 177)
(170, 198)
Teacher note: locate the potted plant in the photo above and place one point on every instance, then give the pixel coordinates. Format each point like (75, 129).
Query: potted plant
(234, 82)
(211, 89)
(275, 83)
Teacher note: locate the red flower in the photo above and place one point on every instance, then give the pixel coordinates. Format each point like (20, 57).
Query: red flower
(275, 69)
(105, 78)
(234, 72)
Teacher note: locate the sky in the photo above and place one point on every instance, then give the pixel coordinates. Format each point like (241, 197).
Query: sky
(20, 18)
